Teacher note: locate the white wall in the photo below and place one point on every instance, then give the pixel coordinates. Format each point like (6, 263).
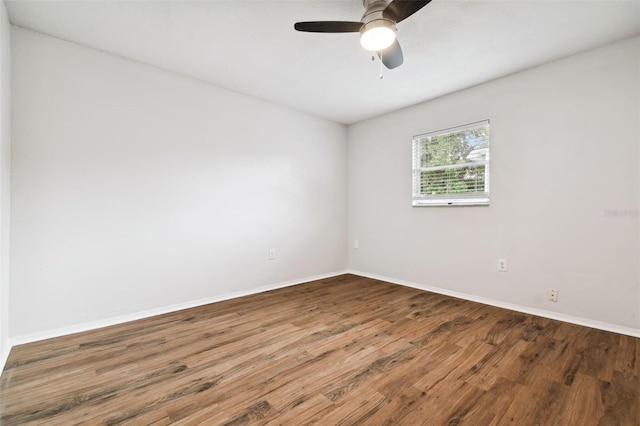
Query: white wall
(5, 175)
(564, 149)
(134, 189)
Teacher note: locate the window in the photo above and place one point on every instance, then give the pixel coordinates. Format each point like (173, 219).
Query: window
(451, 167)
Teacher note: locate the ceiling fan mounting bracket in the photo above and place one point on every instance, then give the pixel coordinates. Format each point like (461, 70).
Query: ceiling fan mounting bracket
(374, 11)
(368, 3)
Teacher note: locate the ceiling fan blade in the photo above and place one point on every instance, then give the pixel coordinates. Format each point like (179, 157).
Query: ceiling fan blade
(399, 10)
(328, 26)
(392, 56)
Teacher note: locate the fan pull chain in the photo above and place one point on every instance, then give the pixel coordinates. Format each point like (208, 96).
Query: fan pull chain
(381, 66)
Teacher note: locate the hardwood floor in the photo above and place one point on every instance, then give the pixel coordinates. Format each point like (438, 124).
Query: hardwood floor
(345, 350)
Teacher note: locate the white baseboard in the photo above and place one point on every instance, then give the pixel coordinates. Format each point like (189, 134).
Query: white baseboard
(93, 325)
(629, 331)
(77, 328)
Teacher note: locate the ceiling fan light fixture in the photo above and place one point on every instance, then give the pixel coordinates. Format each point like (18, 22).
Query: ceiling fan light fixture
(377, 35)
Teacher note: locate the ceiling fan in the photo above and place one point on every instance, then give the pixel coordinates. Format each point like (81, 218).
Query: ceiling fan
(377, 27)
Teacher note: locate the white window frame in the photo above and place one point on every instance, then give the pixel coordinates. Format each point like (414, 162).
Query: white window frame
(449, 199)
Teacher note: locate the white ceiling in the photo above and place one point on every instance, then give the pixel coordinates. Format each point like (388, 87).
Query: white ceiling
(252, 48)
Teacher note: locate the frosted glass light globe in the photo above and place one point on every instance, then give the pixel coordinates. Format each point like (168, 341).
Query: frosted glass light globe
(377, 36)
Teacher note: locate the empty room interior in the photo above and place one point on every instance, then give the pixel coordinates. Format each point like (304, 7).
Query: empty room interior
(373, 212)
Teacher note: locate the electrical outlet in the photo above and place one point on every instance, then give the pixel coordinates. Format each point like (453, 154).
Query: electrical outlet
(272, 254)
(552, 295)
(502, 265)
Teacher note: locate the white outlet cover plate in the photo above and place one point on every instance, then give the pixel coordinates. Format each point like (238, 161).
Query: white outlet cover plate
(502, 265)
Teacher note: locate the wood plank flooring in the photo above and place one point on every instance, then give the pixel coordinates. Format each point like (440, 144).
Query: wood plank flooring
(344, 350)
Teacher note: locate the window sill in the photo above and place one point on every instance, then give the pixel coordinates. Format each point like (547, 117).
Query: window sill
(450, 203)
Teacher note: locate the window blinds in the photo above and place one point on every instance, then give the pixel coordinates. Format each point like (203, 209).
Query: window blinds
(451, 166)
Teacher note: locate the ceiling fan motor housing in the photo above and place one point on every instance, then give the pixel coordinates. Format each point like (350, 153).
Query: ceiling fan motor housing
(374, 12)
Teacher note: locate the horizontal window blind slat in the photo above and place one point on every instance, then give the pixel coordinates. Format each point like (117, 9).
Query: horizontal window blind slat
(452, 166)
(445, 196)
